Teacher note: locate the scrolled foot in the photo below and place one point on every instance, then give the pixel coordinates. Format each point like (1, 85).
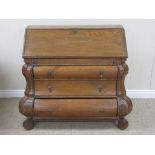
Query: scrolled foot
(122, 123)
(28, 124)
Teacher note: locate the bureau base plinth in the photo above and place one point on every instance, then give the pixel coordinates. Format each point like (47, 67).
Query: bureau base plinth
(74, 110)
(121, 123)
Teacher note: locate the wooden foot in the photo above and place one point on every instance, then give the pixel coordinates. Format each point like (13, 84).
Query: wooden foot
(122, 123)
(28, 124)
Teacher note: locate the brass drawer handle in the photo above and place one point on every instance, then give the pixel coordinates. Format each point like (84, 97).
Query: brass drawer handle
(49, 73)
(100, 89)
(101, 110)
(50, 88)
(101, 74)
(50, 110)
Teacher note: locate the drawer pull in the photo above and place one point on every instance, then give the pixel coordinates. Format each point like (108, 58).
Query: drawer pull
(50, 88)
(100, 88)
(101, 74)
(101, 110)
(50, 110)
(49, 73)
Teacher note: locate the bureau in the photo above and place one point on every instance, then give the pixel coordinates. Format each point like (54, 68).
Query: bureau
(75, 73)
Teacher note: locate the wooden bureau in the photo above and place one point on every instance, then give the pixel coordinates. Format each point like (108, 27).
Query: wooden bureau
(75, 73)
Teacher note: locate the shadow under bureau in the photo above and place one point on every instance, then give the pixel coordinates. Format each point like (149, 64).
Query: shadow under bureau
(75, 73)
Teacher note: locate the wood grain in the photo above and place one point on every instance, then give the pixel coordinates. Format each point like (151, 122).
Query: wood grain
(68, 88)
(75, 107)
(74, 42)
(74, 61)
(71, 72)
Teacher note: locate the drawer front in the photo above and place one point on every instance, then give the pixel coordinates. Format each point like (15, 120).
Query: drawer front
(74, 88)
(75, 61)
(58, 72)
(75, 107)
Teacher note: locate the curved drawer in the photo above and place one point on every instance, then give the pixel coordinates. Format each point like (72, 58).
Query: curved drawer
(58, 72)
(74, 88)
(75, 107)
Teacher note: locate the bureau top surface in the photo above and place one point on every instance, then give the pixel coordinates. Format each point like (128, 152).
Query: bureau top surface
(74, 42)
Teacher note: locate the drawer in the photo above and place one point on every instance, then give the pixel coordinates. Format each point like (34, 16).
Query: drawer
(74, 88)
(58, 72)
(75, 107)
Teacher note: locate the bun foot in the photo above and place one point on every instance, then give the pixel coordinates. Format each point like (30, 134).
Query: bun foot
(122, 123)
(28, 124)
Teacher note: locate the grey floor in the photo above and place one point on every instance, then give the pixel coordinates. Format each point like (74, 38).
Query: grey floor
(141, 121)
